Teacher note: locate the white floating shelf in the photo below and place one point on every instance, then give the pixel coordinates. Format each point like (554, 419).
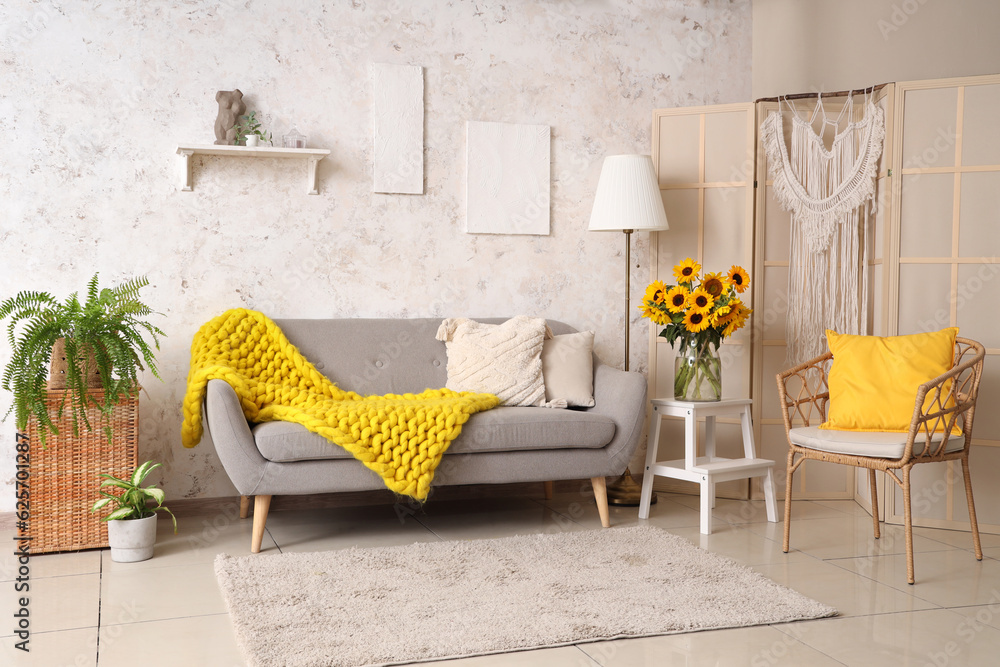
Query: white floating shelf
(312, 155)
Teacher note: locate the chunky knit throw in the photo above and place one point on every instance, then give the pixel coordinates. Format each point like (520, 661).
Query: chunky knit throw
(400, 437)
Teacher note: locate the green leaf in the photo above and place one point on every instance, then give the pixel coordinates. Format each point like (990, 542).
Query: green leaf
(120, 513)
(142, 471)
(100, 504)
(156, 494)
(172, 517)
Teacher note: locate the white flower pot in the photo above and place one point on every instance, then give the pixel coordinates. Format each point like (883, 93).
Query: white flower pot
(132, 540)
(252, 140)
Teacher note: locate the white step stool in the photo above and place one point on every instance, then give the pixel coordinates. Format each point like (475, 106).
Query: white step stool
(706, 470)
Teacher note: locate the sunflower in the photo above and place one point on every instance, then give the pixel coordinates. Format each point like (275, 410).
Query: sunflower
(743, 316)
(739, 278)
(656, 292)
(677, 299)
(724, 315)
(695, 321)
(655, 314)
(714, 284)
(721, 316)
(701, 301)
(734, 305)
(660, 317)
(687, 271)
(738, 321)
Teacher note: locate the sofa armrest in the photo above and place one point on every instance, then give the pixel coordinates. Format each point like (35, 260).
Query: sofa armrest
(620, 395)
(231, 435)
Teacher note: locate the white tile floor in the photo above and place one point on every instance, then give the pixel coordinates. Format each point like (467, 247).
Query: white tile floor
(89, 611)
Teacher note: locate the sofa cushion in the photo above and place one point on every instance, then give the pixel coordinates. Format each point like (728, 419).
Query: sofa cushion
(568, 369)
(501, 359)
(504, 429)
(880, 444)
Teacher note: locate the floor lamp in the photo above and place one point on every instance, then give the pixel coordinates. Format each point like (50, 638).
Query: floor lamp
(627, 200)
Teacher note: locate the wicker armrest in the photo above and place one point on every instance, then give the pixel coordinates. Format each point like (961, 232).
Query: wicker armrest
(811, 394)
(941, 401)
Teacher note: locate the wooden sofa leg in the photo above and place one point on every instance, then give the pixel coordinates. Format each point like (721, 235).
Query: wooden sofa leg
(244, 506)
(261, 505)
(548, 490)
(601, 495)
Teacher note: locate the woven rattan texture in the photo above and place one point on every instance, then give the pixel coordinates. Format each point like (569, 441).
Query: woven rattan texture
(63, 480)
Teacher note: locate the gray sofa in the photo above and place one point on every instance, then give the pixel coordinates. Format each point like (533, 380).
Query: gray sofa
(380, 356)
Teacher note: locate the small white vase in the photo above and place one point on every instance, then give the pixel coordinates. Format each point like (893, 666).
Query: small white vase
(252, 140)
(132, 540)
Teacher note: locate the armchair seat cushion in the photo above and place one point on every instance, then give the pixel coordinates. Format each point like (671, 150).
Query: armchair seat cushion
(876, 444)
(504, 429)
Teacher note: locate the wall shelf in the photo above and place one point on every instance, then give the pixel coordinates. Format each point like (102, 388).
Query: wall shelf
(311, 155)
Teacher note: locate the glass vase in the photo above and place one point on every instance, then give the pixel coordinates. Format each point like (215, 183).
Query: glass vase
(697, 372)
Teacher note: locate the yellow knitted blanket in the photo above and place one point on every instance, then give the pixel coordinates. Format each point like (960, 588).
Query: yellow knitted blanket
(400, 437)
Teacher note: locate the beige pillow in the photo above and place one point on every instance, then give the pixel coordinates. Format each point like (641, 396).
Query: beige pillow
(568, 368)
(502, 359)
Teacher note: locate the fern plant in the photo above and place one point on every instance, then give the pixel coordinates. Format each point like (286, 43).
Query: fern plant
(106, 329)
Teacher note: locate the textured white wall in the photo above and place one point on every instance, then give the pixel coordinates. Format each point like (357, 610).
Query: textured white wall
(95, 97)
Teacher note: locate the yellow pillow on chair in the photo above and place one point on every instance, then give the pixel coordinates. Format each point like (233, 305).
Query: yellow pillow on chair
(873, 380)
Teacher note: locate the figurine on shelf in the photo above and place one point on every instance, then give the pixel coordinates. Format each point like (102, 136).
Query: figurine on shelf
(231, 107)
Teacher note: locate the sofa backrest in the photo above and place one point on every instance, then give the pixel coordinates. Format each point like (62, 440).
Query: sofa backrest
(380, 356)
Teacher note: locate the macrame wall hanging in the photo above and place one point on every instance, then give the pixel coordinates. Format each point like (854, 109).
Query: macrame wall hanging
(830, 194)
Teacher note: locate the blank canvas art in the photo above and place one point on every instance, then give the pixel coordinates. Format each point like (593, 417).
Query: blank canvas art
(398, 111)
(507, 186)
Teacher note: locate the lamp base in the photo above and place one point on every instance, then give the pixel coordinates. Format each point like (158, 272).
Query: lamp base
(626, 492)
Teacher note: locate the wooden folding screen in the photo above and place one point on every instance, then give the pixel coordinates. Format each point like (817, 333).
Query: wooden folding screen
(943, 268)
(705, 163)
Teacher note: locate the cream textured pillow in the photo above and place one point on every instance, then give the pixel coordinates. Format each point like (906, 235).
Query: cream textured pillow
(568, 368)
(502, 359)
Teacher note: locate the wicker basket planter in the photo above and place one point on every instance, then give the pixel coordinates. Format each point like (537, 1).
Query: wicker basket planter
(64, 479)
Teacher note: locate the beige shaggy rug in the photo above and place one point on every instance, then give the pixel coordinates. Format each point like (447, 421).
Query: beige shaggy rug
(436, 600)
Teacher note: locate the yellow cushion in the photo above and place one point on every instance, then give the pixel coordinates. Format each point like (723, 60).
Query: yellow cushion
(873, 380)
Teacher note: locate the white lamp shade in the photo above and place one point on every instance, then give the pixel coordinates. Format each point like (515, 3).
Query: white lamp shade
(628, 196)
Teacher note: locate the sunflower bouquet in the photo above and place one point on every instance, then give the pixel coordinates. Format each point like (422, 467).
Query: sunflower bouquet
(701, 315)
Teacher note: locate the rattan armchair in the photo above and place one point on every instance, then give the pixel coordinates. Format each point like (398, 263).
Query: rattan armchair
(804, 398)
